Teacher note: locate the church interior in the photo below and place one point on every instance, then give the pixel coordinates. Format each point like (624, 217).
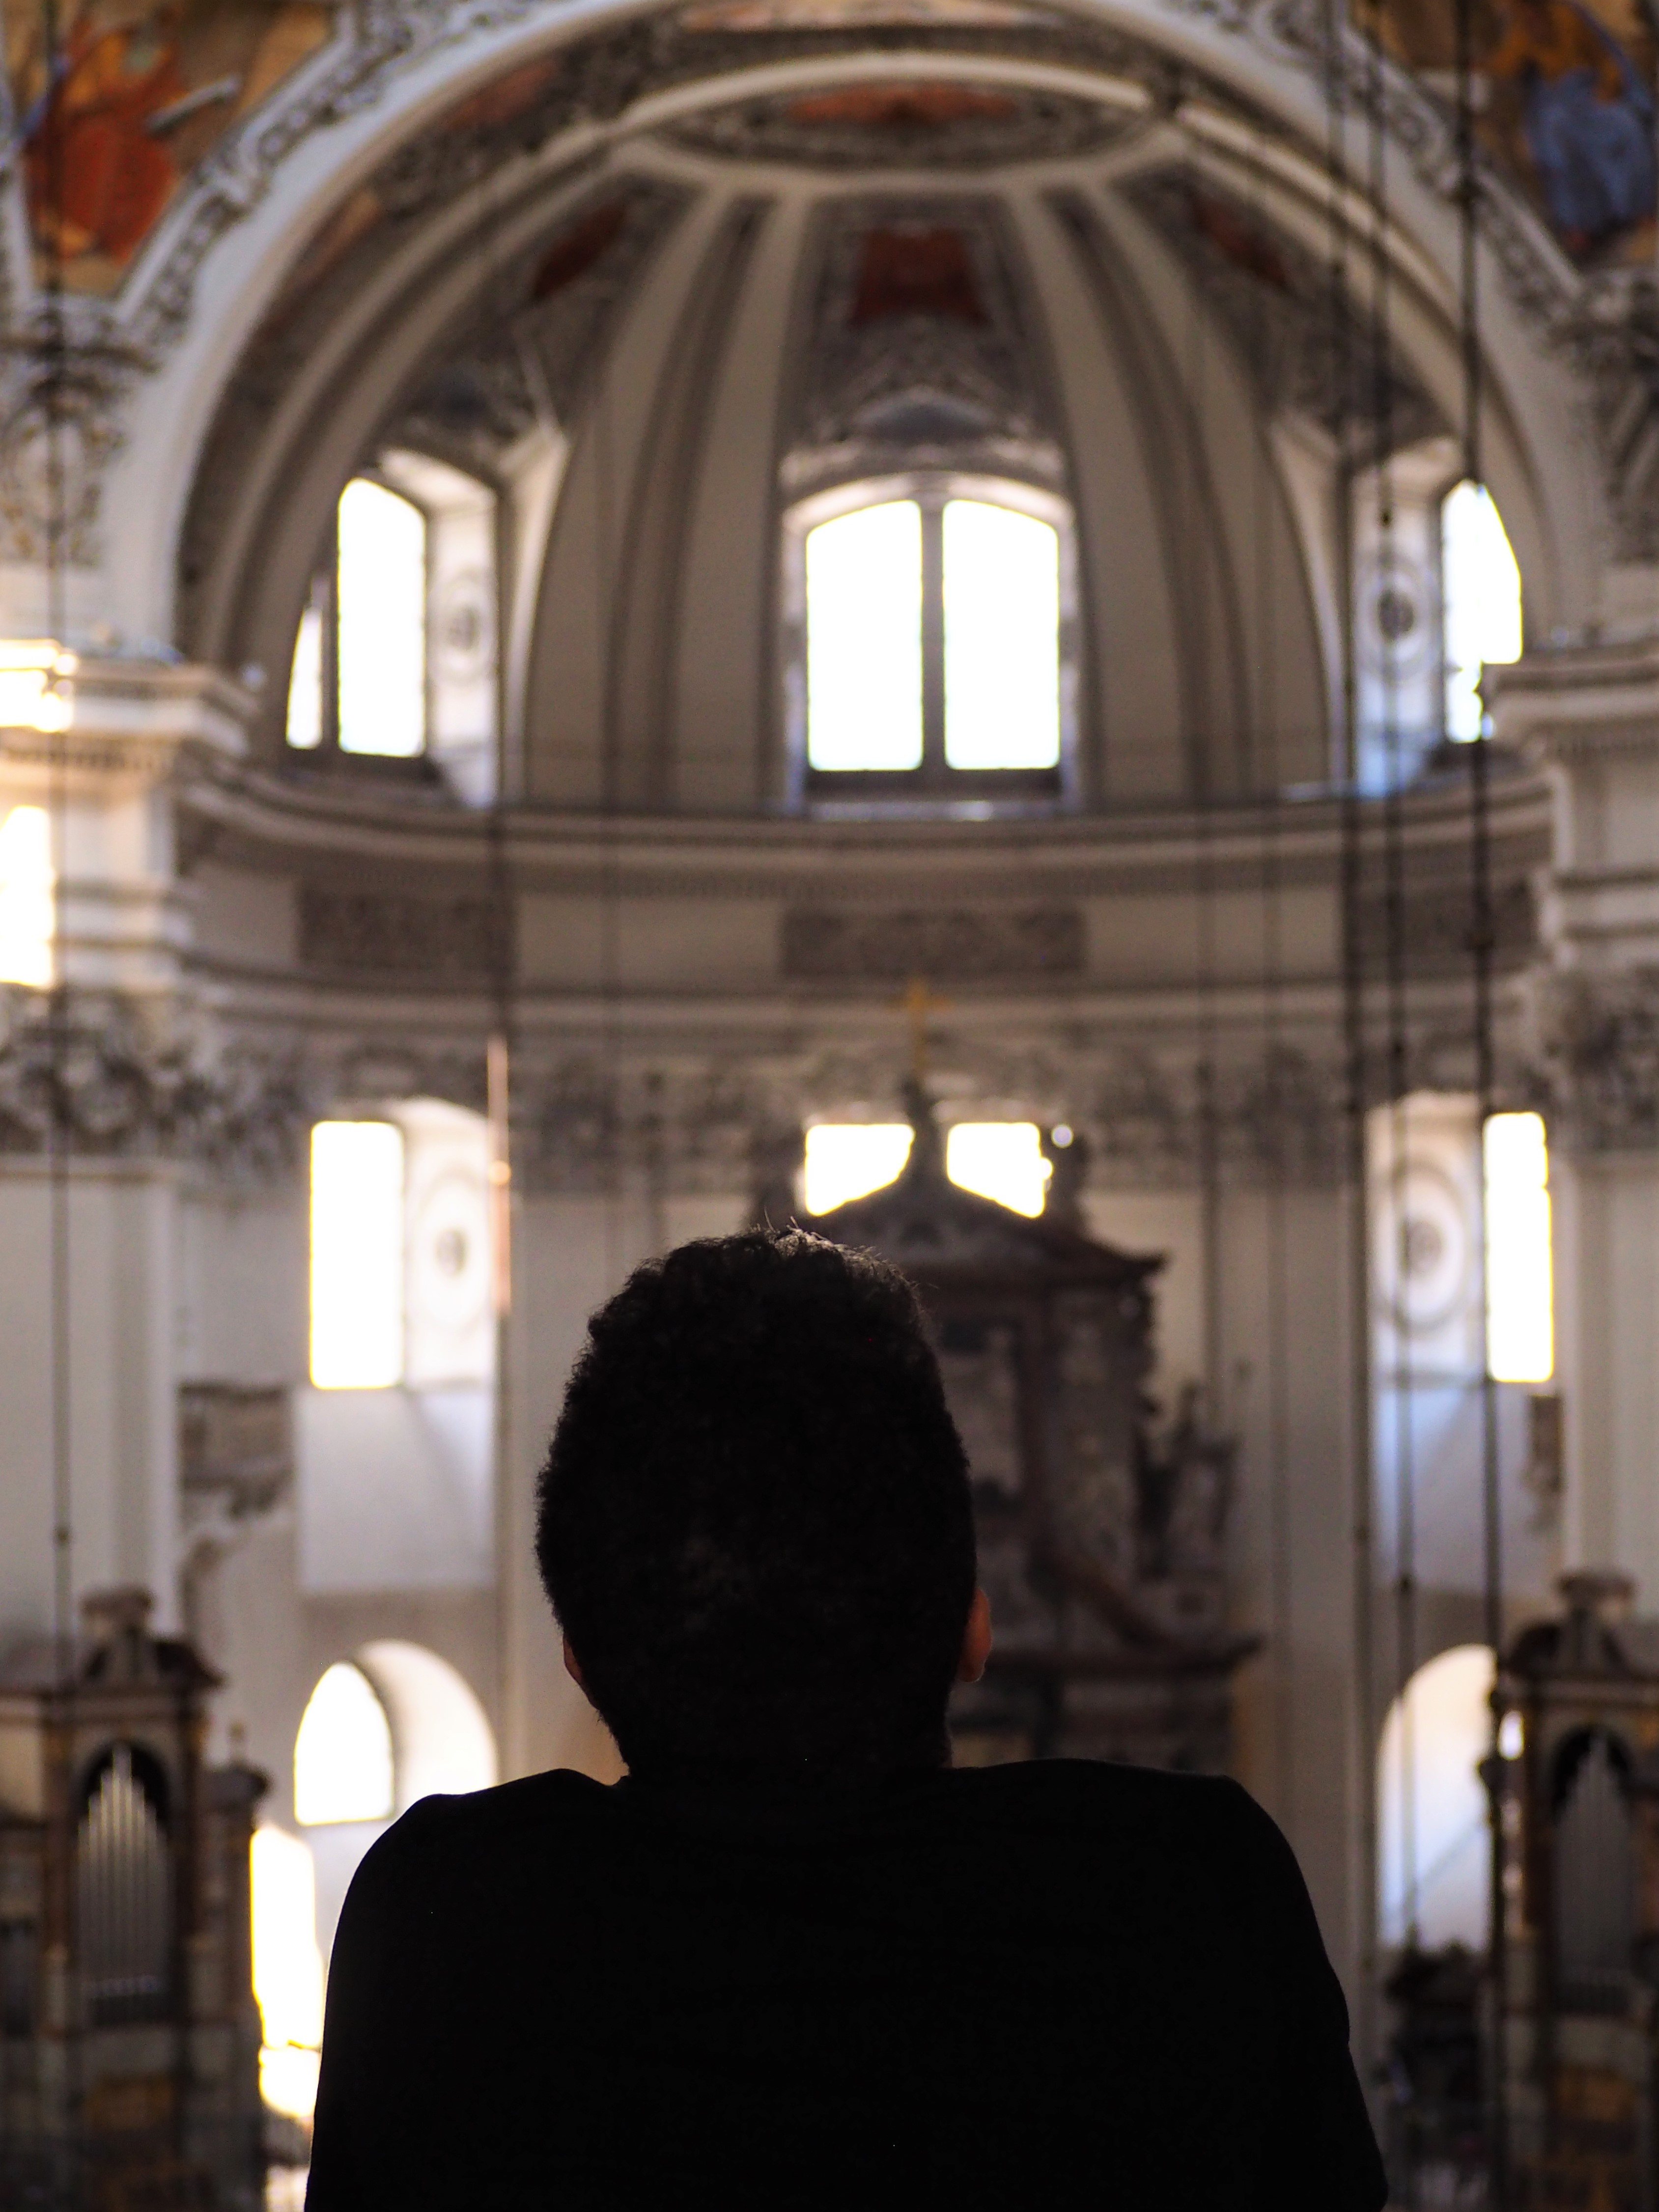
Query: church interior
(1026, 631)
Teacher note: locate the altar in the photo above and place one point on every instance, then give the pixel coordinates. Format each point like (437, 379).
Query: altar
(1102, 1529)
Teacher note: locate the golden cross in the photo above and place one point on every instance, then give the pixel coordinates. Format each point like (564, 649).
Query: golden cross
(918, 1003)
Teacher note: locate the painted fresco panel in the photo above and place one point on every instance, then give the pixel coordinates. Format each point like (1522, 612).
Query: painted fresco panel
(139, 93)
(1566, 95)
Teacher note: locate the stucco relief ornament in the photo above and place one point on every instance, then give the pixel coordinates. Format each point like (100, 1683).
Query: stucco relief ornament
(1600, 1055)
(60, 425)
(582, 1125)
(1601, 321)
(384, 39)
(119, 1087)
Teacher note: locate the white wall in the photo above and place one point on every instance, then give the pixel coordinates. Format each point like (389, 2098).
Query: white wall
(121, 1441)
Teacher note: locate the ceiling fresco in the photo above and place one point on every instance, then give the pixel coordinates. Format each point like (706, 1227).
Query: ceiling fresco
(142, 91)
(150, 99)
(922, 348)
(1565, 90)
(907, 125)
(855, 14)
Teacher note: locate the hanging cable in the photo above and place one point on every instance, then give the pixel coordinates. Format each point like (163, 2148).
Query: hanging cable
(1200, 746)
(1346, 751)
(609, 646)
(1482, 946)
(498, 1045)
(52, 388)
(1401, 1380)
(1267, 775)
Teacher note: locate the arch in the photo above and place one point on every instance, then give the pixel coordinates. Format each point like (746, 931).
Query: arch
(1433, 1869)
(442, 1743)
(343, 1765)
(279, 482)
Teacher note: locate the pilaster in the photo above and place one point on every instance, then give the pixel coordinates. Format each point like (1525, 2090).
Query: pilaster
(106, 1082)
(1588, 718)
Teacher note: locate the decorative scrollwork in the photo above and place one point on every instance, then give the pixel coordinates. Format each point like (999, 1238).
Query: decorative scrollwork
(91, 1068)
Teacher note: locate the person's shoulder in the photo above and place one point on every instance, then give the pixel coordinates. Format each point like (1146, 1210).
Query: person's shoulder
(1096, 1788)
(540, 1810)
(1098, 1796)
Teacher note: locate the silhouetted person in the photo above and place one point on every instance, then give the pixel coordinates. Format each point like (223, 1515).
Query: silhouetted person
(794, 1958)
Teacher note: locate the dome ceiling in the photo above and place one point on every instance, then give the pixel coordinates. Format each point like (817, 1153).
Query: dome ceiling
(907, 125)
(792, 246)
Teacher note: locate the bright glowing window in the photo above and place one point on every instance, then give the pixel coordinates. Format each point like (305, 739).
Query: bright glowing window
(305, 684)
(1520, 1317)
(395, 651)
(342, 1768)
(33, 692)
(864, 638)
(380, 580)
(1001, 1160)
(1001, 637)
(288, 1970)
(849, 1160)
(356, 1255)
(930, 652)
(28, 888)
(1481, 601)
(1433, 1855)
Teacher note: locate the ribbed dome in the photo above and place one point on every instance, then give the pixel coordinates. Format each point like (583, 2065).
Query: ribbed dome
(994, 244)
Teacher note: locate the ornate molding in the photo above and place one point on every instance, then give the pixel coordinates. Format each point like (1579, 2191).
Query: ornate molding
(1274, 297)
(441, 940)
(923, 344)
(587, 1124)
(907, 125)
(945, 944)
(77, 398)
(1599, 1039)
(119, 1085)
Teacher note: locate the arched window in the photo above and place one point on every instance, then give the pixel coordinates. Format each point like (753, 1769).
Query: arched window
(395, 655)
(342, 1765)
(1481, 601)
(931, 642)
(1434, 1867)
(1000, 1160)
(358, 680)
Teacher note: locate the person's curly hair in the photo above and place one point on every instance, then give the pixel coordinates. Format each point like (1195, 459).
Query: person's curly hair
(754, 1520)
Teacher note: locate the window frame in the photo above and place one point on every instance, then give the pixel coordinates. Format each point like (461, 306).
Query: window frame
(1454, 483)
(934, 786)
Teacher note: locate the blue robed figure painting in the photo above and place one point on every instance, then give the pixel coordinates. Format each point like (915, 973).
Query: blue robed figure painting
(1566, 106)
(1587, 117)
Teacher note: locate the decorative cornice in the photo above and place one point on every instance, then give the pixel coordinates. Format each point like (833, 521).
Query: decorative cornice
(1599, 1043)
(943, 943)
(117, 1083)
